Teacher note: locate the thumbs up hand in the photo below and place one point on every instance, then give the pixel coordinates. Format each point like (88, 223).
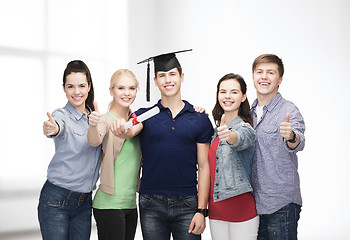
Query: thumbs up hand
(94, 117)
(50, 127)
(286, 129)
(223, 131)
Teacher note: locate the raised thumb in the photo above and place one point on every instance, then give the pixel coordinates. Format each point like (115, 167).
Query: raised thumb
(96, 107)
(50, 117)
(223, 118)
(287, 117)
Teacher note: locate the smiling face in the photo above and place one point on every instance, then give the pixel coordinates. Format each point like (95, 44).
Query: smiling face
(266, 80)
(124, 91)
(169, 83)
(230, 96)
(77, 89)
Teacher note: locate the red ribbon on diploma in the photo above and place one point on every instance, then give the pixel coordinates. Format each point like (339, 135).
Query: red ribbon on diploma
(134, 120)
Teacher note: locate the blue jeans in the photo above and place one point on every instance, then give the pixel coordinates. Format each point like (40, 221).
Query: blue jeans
(164, 215)
(64, 214)
(280, 225)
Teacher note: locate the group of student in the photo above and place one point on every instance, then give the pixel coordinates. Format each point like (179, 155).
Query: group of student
(243, 174)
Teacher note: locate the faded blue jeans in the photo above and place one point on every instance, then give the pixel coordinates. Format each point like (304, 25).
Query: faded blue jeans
(64, 214)
(280, 225)
(162, 216)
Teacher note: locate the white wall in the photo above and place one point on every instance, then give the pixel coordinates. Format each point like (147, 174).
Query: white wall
(312, 37)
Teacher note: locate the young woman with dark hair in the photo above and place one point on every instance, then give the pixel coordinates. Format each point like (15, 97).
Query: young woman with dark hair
(232, 212)
(64, 209)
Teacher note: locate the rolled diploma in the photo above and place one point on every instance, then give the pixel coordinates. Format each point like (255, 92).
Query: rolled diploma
(144, 116)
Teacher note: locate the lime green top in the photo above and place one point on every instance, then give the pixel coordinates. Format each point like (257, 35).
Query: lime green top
(126, 170)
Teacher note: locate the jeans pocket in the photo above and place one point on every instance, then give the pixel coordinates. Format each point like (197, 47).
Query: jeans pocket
(50, 201)
(192, 202)
(144, 201)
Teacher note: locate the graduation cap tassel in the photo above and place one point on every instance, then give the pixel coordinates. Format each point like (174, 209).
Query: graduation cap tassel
(148, 95)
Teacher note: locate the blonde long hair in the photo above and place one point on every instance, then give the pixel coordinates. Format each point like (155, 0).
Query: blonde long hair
(114, 79)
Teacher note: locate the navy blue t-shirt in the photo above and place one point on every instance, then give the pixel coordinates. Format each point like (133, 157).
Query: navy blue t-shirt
(169, 150)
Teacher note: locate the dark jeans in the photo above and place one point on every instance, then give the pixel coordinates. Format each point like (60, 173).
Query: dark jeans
(280, 225)
(164, 215)
(116, 224)
(64, 214)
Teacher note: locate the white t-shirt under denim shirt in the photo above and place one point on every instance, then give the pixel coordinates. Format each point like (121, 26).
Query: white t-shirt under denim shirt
(259, 112)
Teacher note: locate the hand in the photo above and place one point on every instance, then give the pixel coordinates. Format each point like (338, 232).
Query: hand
(94, 117)
(223, 131)
(118, 128)
(200, 110)
(50, 127)
(286, 129)
(197, 225)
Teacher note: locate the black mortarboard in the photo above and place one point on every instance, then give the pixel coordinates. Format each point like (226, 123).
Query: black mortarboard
(164, 63)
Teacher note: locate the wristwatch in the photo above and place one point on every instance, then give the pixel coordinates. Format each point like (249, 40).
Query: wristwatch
(294, 139)
(205, 212)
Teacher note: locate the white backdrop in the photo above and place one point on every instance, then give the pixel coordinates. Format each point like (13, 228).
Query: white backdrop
(312, 37)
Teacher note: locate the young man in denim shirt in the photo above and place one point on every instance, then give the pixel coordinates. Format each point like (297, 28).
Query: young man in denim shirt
(279, 136)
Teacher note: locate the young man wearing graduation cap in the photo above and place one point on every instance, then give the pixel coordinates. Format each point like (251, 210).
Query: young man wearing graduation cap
(173, 143)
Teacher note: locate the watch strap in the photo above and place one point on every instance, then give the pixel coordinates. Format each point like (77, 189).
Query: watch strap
(294, 139)
(205, 212)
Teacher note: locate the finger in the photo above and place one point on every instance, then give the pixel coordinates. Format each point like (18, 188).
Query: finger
(47, 123)
(50, 117)
(191, 228)
(112, 126)
(96, 107)
(92, 122)
(223, 132)
(198, 229)
(199, 109)
(121, 126)
(95, 117)
(222, 129)
(223, 118)
(287, 117)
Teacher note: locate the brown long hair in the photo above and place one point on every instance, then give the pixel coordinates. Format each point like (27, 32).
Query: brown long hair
(244, 108)
(78, 66)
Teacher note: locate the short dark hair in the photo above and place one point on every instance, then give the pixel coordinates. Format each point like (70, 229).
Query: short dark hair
(179, 69)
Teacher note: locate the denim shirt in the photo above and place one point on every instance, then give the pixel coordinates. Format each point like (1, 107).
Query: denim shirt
(275, 176)
(76, 164)
(233, 162)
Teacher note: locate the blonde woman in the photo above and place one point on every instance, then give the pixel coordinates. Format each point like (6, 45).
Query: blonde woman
(114, 205)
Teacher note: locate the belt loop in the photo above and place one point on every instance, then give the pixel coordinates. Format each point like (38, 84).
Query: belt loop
(69, 194)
